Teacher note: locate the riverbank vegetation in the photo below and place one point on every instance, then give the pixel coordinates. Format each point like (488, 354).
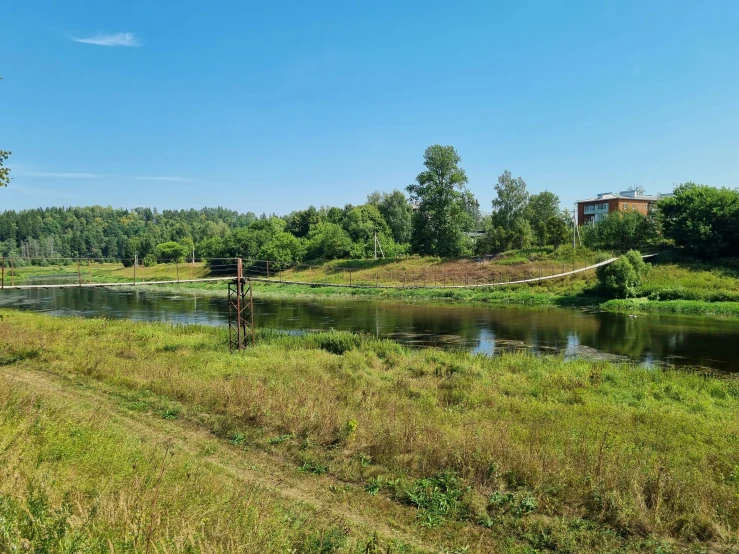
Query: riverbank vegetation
(671, 283)
(428, 240)
(466, 453)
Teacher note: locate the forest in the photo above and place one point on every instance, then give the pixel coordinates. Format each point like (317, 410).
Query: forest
(439, 216)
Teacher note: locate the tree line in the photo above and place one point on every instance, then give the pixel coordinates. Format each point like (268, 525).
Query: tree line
(439, 216)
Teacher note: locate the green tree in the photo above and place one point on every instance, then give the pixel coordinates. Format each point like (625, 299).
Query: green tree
(362, 222)
(212, 247)
(335, 215)
(300, 223)
(508, 226)
(511, 202)
(283, 250)
(4, 171)
(621, 230)
(472, 208)
(440, 220)
(557, 231)
(397, 212)
(328, 241)
(172, 251)
(541, 209)
(703, 220)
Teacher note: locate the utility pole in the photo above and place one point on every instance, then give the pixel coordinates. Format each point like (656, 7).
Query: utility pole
(574, 225)
(377, 243)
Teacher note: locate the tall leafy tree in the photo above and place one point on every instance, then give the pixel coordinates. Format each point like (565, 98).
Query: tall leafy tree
(508, 226)
(440, 219)
(558, 232)
(511, 201)
(300, 223)
(328, 241)
(397, 212)
(362, 222)
(472, 207)
(541, 208)
(703, 220)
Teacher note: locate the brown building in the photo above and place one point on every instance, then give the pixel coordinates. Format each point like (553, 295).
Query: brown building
(593, 210)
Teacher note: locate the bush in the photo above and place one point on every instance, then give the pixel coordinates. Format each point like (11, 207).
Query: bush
(623, 278)
(150, 260)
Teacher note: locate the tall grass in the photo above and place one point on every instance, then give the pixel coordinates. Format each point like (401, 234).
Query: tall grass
(73, 480)
(585, 453)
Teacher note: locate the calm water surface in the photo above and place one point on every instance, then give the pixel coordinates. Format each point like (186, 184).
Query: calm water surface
(652, 340)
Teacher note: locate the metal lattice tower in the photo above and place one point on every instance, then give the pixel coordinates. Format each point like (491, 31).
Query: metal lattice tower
(240, 311)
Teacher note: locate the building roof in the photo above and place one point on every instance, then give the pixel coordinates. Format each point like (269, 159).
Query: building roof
(626, 195)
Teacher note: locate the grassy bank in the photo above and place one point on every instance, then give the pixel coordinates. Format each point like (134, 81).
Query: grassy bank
(465, 453)
(680, 287)
(683, 307)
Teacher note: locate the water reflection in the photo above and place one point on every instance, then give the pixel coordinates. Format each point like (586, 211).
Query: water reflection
(657, 339)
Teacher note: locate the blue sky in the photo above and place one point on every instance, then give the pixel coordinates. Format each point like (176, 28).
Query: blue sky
(272, 106)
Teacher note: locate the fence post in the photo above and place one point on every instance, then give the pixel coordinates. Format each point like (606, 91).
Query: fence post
(79, 273)
(3, 279)
(177, 269)
(135, 263)
(350, 277)
(267, 269)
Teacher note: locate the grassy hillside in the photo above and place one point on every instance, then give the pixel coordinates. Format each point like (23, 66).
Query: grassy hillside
(670, 286)
(328, 438)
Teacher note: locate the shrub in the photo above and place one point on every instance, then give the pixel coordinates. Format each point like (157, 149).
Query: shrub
(623, 278)
(150, 260)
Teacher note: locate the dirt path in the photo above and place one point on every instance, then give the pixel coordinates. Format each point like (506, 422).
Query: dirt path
(355, 509)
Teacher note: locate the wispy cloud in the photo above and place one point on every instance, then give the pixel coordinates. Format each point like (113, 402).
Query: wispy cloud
(113, 39)
(167, 179)
(29, 172)
(58, 175)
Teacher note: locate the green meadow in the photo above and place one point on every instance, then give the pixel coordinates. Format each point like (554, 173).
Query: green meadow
(134, 437)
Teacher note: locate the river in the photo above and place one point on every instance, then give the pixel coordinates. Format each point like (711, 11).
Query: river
(652, 340)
